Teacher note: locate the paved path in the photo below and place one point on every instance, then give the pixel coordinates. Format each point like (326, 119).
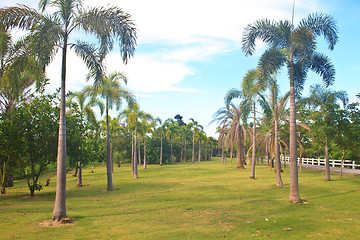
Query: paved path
(336, 169)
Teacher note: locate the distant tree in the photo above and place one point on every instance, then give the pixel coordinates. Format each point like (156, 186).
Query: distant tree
(179, 120)
(111, 90)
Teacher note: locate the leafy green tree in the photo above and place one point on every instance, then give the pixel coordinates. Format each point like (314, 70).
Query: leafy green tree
(30, 134)
(294, 47)
(324, 102)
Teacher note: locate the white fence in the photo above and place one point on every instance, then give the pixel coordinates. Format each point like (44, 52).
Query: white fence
(321, 162)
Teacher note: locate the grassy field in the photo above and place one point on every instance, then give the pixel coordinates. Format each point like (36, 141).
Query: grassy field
(205, 200)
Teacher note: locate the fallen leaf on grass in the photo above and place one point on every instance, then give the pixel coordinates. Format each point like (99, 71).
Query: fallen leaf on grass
(287, 229)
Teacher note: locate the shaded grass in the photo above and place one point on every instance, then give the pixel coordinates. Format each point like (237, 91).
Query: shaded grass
(205, 200)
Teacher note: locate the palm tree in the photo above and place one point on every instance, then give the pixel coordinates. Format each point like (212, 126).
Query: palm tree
(195, 127)
(52, 32)
(171, 132)
(275, 108)
(81, 102)
(324, 100)
(19, 70)
(111, 90)
(251, 88)
(145, 126)
(294, 47)
(112, 127)
(230, 118)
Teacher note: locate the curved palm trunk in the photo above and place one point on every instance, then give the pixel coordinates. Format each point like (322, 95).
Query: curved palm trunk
(253, 162)
(294, 185)
(279, 181)
(161, 149)
(60, 197)
(327, 164)
(110, 186)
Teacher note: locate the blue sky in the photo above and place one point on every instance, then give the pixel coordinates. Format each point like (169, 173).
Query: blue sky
(189, 52)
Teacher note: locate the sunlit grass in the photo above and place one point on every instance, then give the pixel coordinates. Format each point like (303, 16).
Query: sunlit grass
(206, 200)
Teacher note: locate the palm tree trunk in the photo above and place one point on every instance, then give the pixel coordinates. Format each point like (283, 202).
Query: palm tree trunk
(60, 198)
(252, 174)
(185, 151)
(161, 149)
(279, 181)
(139, 151)
(135, 155)
(294, 184)
(110, 186)
(327, 164)
(171, 149)
(199, 156)
(240, 148)
(182, 151)
(111, 156)
(145, 153)
(193, 150)
(132, 153)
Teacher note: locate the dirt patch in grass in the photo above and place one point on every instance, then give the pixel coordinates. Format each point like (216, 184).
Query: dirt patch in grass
(62, 222)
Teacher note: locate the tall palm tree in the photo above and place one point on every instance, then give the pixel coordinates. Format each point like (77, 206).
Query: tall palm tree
(294, 47)
(324, 101)
(111, 90)
(53, 32)
(275, 108)
(251, 85)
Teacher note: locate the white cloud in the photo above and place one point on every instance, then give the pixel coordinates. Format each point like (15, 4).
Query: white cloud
(150, 72)
(75, 73)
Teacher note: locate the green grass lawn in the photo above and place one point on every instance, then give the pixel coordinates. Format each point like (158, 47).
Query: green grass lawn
(206, 200)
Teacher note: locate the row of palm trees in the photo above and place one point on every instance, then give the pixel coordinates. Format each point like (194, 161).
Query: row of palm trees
(50, 32)
(290, 46)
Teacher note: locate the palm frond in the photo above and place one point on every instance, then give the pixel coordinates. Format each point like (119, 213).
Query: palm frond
(322, 65)
(261, 29)
(110, 22)
(322, 24)
(88, 53)
(232, 94)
